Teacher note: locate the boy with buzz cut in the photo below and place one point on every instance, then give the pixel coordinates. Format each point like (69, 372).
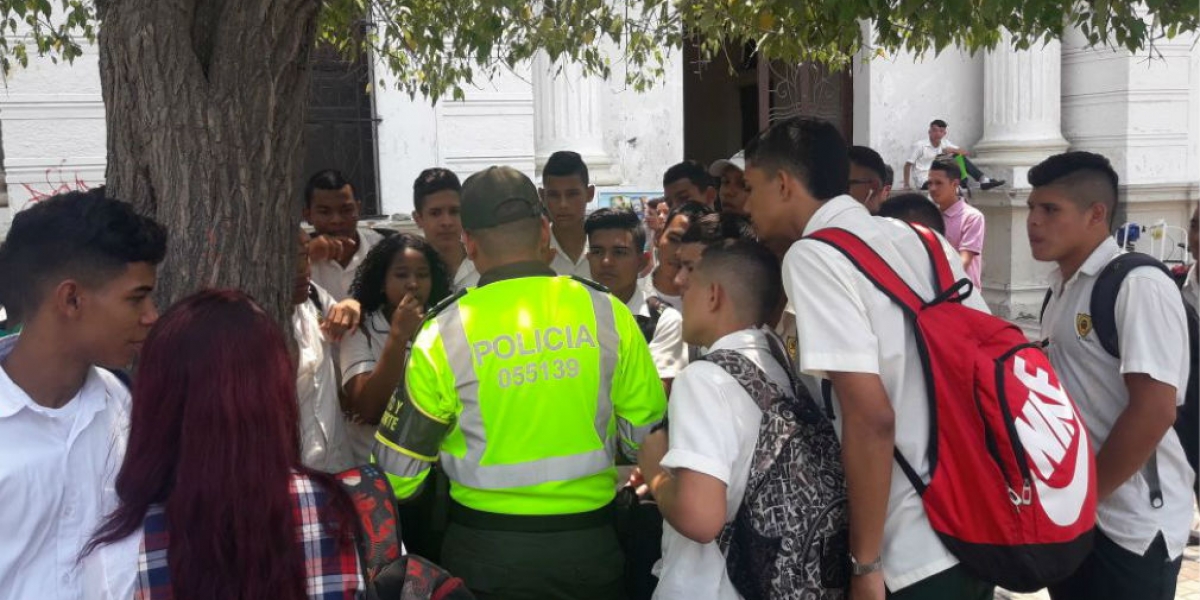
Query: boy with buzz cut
(853, 335)
(437, 205)
(699, 470)
(1128, 404)
(565, 192)
(78, 272)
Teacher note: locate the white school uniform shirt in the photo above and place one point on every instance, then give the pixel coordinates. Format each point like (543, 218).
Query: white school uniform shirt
(359, 354)
(1191, 287)
(324, 444)
(648, 288)
(666, 346)
(1152, 335)
(467, 276)
(844, 323)
(921, 158)
(563, 265)
(336, 279)
(57, 473)
(714, 428)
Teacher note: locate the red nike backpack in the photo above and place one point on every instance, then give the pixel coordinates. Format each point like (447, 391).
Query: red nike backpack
(1012, 488)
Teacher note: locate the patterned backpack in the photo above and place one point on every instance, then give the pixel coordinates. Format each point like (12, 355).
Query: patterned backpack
(789, 538)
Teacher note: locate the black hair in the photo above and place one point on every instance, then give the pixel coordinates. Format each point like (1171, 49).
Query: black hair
(690, 170)
(869, 159)
(76, 235)
(889, 176)
(432, 181)
(749, 273)
(1086, 176)
(694, 211)
(938, 123)
(811, 150)
(654, 202)
(713, 228)
(327, 179)
(625, 220)
(564, 163)
(368, 286)
(914, 208)
(950, 168)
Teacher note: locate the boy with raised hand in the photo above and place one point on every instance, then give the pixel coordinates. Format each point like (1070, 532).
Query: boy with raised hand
(1129, 403)
(78, 272)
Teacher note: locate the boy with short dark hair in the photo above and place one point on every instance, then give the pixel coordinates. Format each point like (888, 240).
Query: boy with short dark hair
(661, 283)
(78, 272)
(964, 224)
(688, 181)
(914, 208)
(566, 193)
(1129, 403)
(437, 203)
(332, 207)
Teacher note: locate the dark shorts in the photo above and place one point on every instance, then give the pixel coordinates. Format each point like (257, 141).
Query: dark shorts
(953, 583)
(1111, 572)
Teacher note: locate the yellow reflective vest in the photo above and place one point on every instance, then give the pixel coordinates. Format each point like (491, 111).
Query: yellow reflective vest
(524, 388)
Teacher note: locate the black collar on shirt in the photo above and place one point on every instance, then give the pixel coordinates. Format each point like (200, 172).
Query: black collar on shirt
(530, 268)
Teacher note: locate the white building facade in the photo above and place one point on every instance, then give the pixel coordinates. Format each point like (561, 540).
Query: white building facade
(1012, 108)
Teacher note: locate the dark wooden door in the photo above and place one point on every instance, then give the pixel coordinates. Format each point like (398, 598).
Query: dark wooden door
(806, 90)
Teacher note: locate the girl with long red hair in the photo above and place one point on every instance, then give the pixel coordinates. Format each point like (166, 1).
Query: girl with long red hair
(214, 502)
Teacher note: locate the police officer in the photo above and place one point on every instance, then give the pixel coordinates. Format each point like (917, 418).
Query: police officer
(525, 388)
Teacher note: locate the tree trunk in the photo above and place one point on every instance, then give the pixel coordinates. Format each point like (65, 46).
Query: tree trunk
(205, 103)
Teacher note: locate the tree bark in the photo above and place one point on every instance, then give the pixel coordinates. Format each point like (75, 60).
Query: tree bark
(205, 103)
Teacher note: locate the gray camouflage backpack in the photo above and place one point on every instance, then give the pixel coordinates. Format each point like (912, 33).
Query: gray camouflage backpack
(790, 536)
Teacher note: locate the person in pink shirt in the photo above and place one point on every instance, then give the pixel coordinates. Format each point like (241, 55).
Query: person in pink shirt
(964, 223)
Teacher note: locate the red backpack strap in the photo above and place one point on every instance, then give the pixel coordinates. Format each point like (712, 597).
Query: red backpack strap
(871, 265)
(947, 287)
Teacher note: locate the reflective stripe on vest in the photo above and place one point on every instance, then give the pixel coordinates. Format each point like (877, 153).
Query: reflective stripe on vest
(467, 470)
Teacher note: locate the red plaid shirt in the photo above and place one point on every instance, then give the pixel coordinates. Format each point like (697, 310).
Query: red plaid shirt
(332, 569)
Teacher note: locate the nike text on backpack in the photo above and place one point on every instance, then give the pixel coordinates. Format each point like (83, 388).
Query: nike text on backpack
(789, 538)
(1103, 308)
(1012, 487)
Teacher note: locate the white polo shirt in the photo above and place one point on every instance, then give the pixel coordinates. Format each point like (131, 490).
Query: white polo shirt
(467, 276)
(921, 158)
(666, 346)
(1152, 335)
(359, 354)
(562, 263)
(57, 472)
(324, 445)
(844, 323)
(336, 279)
(714, 428)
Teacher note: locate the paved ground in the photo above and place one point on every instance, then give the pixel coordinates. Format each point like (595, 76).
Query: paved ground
(1188, 588)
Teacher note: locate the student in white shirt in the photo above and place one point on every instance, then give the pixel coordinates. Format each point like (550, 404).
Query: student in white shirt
(689, 181)
(1128, 404)
(615, 249)
(855, 336)
(697, 470)
(78, 272)
(401, 278)
(927, 150)
(661, 283)
(566, 193)
(324, 444)
(339, 245)
(436, 202)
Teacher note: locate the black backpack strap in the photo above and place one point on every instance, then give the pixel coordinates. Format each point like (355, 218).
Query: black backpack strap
(315, 298)
(1103, 307)
(1103, 304)
(649, 324)
(1045, 303)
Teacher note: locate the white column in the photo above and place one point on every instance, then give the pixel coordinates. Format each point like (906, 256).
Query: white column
(568, 115)
(1022, 104)
(1022, 115)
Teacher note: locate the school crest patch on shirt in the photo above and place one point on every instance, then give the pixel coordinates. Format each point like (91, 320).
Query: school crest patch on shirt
(1083, 324)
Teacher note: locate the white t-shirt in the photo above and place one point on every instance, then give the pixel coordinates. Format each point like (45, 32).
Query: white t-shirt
(336, 279)
(922, 156)
(1191, 287)
(844, 323)
(647, 285)
(562, 263)
(1152, 333)
(323, 442)
(359, 353)
(57, 474)
(714, 427)
(667, 347)
(467, 276)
